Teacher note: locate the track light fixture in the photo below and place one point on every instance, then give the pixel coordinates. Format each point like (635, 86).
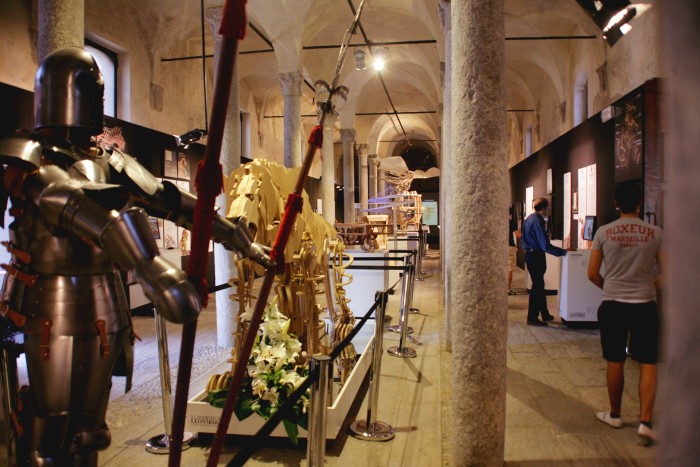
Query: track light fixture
(192, 136)
(360, 59)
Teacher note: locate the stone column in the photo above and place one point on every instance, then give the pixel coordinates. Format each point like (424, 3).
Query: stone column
(291, 90)
(363, 173)
(328, 169)
(347, 136)
(445, 109)
(224, 260)
(372, 176)
(477, 194)
(381, 182)
(680, 371)
(60, 24)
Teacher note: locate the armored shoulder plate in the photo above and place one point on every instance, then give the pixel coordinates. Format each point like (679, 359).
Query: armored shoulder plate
(21, 151)
(126, 166)
(27, 150)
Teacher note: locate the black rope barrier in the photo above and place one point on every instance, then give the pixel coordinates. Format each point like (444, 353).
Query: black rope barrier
(271, 423)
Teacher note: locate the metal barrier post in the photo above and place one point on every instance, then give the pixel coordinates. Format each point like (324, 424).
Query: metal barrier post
(421, 249)
(414, 275)
(403, 305)
(160, 444)
(371, 429)
(316, 442)
(401, 350)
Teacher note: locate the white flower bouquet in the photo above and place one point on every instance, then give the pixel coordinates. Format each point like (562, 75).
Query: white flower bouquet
(274, 373)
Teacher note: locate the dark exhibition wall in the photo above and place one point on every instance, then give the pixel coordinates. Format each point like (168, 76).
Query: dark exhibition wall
(156, 151)
(623, 148)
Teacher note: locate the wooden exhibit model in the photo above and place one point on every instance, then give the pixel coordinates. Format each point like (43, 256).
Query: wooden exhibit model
(258, 191)
(342, 317)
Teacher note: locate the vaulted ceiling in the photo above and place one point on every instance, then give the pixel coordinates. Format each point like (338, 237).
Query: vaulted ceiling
(404, 100)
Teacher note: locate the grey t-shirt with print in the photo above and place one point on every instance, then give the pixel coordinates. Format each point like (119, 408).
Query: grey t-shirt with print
(629, 247)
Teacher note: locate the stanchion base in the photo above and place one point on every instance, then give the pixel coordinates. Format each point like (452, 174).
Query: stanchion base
(397, 328)
(415, 311)
(381, 431)
(159, 444)
(405, 352)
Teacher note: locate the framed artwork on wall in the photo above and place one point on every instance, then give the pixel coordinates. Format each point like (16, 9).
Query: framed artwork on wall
(170, 164)
(629, 150)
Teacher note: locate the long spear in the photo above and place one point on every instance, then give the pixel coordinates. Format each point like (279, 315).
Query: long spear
(208, 184)
(292, 208)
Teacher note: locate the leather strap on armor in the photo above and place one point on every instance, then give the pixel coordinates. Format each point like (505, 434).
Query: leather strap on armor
(17, 318)
(23, 256)
(45, 338)
(101, 326)
(27, 279)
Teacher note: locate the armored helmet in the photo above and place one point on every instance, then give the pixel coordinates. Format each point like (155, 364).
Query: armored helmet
(69, 91)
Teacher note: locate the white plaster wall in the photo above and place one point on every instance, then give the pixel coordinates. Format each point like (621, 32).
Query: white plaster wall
(17, 49)
(550, 123)
(635, 58)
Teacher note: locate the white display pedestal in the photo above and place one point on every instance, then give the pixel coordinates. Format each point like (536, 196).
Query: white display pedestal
(366, 282)
(203, 418)
(579, 298)
(551, 276)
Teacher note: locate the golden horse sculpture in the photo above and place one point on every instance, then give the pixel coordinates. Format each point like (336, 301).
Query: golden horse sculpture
(258, 191)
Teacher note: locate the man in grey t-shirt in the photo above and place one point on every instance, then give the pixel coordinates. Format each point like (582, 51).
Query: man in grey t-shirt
(630, 250)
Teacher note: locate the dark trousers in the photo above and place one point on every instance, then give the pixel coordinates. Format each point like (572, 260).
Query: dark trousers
(536, 266)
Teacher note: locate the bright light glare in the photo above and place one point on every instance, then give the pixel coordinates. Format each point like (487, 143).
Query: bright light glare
(616, 19)
(625, 28)
(378, 63)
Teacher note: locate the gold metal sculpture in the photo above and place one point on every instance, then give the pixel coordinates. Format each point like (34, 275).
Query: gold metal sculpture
(341, 316)
(258, 191)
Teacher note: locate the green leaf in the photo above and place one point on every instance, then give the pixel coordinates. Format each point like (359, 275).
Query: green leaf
(244, 408)
(217, 398)
(303, 421)
(292, 431)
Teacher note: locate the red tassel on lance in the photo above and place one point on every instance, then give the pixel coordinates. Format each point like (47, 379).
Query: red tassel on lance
(316, 137)
(233, 20)
(209, 181)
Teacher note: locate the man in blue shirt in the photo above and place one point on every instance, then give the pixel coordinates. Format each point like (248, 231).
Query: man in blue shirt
(536, 243)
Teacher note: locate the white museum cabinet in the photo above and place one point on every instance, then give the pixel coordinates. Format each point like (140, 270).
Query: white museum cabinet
(551, 276)
(579, 298)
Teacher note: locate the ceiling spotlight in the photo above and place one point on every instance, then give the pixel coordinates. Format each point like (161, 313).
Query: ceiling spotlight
(617, 25)
(379, 56)
(185, 139)
(360, 59)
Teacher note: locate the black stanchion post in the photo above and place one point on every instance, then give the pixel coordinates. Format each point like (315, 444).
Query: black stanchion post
(371, 429)
(316, 442)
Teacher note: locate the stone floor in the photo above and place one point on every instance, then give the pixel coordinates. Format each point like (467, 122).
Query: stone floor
(556, 383)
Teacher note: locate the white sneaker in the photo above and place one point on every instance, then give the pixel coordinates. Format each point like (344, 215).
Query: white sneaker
(606, 418)
(646, 435)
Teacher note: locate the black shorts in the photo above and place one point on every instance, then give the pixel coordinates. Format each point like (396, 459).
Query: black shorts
(638, 322)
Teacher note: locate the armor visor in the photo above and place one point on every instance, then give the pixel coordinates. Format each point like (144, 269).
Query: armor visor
(69, 91)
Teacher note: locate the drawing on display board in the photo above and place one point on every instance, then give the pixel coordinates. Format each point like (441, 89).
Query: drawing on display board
(628, 140)
(170, 164)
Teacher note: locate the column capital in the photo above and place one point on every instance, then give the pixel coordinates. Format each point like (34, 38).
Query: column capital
(444, 11)
(362, 149)
(329, 119)
(213, 16)
(347, 135)
(291, 83)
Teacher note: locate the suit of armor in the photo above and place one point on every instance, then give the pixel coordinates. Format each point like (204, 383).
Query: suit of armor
(80, 218)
